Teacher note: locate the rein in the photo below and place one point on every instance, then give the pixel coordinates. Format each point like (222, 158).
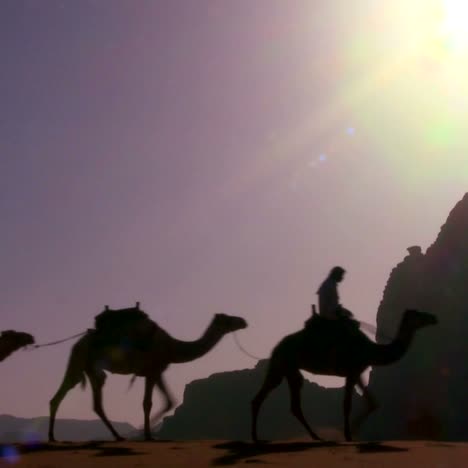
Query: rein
(236, 340)
(51, 343)
(373, 329)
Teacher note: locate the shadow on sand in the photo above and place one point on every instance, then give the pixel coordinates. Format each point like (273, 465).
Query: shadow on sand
(102, 449)
(377, 447)
(244, 451)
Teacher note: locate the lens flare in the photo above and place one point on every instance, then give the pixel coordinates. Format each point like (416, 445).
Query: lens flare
(9, 454)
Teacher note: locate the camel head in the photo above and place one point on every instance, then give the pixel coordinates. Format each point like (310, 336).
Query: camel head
(416, 319)
(17, 339)
(228, 323)
(11, 341)
(25, 339)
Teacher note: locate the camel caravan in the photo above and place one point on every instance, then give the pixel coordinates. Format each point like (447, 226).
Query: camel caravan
(127, 341)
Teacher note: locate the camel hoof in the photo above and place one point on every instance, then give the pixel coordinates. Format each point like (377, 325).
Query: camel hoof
(119, 438)
(314, 436)
(148, 437)
(52, 439)
(260, 441)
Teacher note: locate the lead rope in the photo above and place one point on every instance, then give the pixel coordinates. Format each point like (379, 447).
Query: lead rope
(51, 343)
(373, 329)
(236, 340)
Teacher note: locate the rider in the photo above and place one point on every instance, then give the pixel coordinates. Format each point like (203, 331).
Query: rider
(329, 304)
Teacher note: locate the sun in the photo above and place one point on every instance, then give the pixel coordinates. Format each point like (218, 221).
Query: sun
(454, 23)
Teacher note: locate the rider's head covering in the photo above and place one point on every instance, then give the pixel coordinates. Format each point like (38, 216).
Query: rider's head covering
(337, 272)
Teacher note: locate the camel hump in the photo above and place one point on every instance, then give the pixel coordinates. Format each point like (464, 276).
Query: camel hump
(334, 329)
(124, 321)
(315, 320)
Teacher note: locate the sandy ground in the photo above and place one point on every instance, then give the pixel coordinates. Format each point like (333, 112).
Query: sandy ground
(194, 454)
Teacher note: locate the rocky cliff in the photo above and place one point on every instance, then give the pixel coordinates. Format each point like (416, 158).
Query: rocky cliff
(425, 394)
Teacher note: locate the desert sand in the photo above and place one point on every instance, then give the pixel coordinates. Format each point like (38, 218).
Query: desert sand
(194, 454)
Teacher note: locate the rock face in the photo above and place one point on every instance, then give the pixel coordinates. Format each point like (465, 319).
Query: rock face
(218, 407)
(425, 394)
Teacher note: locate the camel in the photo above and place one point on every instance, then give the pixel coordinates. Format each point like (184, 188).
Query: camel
(11, 341)
(90, 358)
(350, 354)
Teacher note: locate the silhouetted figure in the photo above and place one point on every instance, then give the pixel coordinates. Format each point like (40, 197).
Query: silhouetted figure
(329, 302)
(309, 349)
(95, 352)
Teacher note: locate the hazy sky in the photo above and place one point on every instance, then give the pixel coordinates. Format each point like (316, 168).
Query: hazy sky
(204, 156)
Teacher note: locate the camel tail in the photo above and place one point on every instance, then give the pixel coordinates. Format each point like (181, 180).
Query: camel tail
(132, 381)
(83, 381)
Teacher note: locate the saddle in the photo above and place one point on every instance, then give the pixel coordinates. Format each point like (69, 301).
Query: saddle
(130, 328)
(344, 325)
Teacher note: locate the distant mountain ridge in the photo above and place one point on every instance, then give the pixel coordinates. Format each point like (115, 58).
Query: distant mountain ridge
(14, 429)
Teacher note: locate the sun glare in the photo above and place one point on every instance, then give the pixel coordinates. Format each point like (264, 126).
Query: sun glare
(413, 57)
(454, 23)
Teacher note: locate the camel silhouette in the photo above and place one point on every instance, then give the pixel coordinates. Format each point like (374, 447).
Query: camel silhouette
(324, 347)
(90, 358)
(11, 341)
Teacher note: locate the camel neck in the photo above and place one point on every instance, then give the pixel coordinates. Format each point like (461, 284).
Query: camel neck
(186, 351)
(394, 351)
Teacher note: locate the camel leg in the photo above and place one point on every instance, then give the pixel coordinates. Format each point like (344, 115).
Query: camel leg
(97, 379)
(371, 402)
(295, 381)
(147, 403)
(272, 380)
(347, 406)
(69, 381)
